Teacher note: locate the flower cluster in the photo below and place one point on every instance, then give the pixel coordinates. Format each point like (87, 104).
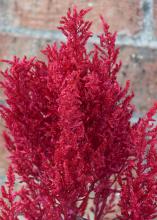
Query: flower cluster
(69, 134)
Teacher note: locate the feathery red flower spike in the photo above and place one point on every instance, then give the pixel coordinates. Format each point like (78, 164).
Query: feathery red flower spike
(72, 145)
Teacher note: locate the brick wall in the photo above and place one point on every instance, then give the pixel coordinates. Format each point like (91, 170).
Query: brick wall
(27, 26)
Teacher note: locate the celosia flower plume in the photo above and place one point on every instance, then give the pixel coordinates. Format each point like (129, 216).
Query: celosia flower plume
(69, 133)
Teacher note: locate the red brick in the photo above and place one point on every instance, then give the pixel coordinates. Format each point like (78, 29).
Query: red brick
(140, 67)
(20, 46)
(124, 16)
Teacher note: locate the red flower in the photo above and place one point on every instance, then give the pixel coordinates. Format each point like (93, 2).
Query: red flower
(69, 133)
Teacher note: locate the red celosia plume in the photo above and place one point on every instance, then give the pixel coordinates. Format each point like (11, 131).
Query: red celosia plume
(72, 145)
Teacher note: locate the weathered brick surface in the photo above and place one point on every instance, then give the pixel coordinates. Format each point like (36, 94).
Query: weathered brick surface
(20, 46)
(140, 67)
(124, 16)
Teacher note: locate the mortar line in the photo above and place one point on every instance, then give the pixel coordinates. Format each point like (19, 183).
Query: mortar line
(57, 36)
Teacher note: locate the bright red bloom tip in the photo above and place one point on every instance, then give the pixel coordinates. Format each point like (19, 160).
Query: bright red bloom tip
(69, 134)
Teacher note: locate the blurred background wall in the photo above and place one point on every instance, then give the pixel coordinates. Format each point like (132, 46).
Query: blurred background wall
(27, 26)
